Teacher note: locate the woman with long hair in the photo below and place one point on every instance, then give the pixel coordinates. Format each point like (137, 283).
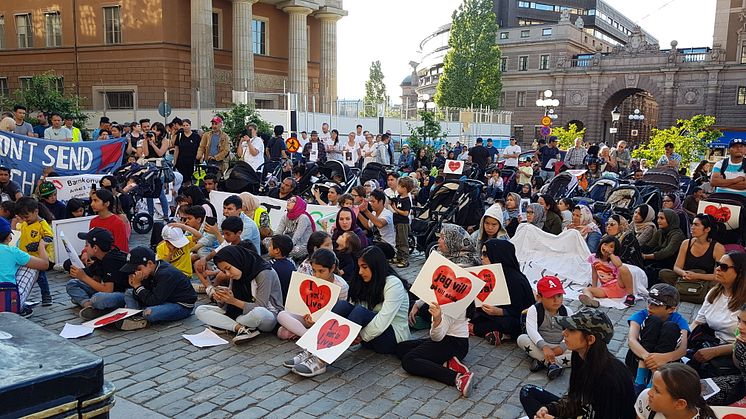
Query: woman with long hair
(156, 146)
(600, 384)
(351, 151)
(345, 221)
(104, 205)
(422, 161)
(317, 240)
(676, 393)
(334, 148)
(733, 387)
(195, 196)
(553, 220)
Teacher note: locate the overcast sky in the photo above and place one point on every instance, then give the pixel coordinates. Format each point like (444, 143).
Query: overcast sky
(391, 30)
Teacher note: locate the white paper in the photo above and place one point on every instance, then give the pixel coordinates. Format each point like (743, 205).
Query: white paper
(113, 317)
(73, 331)
(444, 282)
(329, 337)
(205, 339)
(709, 388)
(550, 164)
(498, 295)
(72, 254)
(306, 294)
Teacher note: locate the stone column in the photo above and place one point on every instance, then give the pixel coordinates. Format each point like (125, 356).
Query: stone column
(298, 53)
(203, 58)
(328, 66)
(243, 48)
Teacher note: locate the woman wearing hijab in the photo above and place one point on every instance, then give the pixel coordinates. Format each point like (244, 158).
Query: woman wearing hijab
(582, 221)
(512, 213)
(499, 323)
(663, 248)
(251, 301)
(298, 224)
(490, 227)
(346, 222)
(456, 245)
(254, 209)
(535, 215)
(642, 223)
(673, 202)
(618, 227)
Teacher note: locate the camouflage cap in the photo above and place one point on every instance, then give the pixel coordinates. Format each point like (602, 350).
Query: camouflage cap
(592, 321)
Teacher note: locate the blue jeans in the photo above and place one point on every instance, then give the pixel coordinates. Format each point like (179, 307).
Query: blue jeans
(166, 312)
(43, 284)
(80, 292)
(385, 343)
(164, 204)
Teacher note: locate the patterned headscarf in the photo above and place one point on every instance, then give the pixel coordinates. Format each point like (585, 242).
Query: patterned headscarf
(460, 248)
(586, 221)
(539, 215)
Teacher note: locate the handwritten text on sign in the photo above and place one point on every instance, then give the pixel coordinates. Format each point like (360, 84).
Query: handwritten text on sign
(311, 295)
(447, 284)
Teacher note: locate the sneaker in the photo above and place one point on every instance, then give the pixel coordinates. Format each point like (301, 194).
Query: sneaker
(402, 264)
(554, 371)
(59, 267)
(296, 360)
(245, 334)
(217, 330)
(455, 364)
(588, 301)
(493, 338)
(629, 301)
(132, 323)
(199, 288)
(463, 383)
(310, 367)
(25, 311)
(46, 300)
(536, 365)
(90, 313)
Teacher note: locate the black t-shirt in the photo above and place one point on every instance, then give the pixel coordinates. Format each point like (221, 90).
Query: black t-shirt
(10, 189)
(275, 147)
(107, 270)
(479, 156)
(401, 204)
(58, 209)
(547, 153)
(188, 147)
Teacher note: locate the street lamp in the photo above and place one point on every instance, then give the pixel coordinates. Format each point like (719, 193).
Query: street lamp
(547, 103)
(636, 116)
(615, 114)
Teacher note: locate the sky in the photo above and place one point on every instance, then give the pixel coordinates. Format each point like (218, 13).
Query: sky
(391, 31)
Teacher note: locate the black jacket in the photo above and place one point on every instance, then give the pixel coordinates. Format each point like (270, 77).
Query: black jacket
(166, 285)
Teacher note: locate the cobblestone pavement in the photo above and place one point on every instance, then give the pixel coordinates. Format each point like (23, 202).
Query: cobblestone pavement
(157, 372)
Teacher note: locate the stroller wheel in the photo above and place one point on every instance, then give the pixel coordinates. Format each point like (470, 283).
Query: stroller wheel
(431, 248)
(142, 223)
(412, 242)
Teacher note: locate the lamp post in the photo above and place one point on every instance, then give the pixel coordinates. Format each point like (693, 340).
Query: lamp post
(635, 116)
(615, 115)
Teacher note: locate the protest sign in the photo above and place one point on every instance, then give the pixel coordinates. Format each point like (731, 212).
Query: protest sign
(447, 284)
(79, 186)
(311, 295)
(495, 290)
(72, 254)
(27, 157)
(329, 337)
(453, 167)
(113, 317)
(69, 228)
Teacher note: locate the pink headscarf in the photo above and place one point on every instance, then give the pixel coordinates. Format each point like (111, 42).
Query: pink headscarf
(300, 209)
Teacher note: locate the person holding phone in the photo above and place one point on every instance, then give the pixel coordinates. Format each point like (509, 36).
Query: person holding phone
(251, 147)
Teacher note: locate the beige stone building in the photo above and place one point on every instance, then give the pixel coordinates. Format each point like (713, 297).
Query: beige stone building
(128, 54)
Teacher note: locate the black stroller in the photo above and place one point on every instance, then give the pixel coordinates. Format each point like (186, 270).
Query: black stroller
(241, 178)
(150, 180)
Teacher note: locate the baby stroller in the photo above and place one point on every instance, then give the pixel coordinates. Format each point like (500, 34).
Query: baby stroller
(563, 185)
(624, 199)
(375, 171)
(241, 178)
(510, 179)
(440, 207)
(666, 179)
(201, 170)
(150, 180)
(335, 168)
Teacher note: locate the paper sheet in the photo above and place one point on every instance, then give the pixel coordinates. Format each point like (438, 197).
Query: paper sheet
(205, 339)
(113, 317)
(71, 253)
(74, 331)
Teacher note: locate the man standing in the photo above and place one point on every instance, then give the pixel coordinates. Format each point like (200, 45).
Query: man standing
(511, 153)
(479, 155)
(576, 155)
(57, 132)
(492, 150)
(105, 124)
(315, 151)
(548, 155)
(669, 158)
(383, 151)
(622, 156)
(43, 124)
(728, 175)
(303, 140)
(22, 127)
(215, 145)
(359, 136)
(251, 147)
(326, 136)
(276, 146)
(77, 137)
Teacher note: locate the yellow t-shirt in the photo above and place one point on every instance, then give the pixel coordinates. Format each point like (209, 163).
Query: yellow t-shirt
(33, 233)
(180, 258)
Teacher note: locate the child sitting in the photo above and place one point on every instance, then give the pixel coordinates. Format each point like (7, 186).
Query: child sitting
(194, 217)
(608, 269)
(655, 333)
(317, 240)
(34, 230)
(280, 247)
(494, 187)
(348, 247)
(8, 210)
(543, 340)
(175, 248)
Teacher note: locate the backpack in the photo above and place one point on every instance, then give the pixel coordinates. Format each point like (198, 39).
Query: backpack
(725, 166)
(540, 313)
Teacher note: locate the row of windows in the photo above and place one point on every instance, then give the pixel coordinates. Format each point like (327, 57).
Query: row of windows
(555, 8)
(614, 23)
(25, 83)
(523, 63)
(526, 33)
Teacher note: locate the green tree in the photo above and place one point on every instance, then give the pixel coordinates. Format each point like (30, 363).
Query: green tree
(424, 135)
(236, 118)
(566, 137)
(689, 137)
(375, 91)
(471, 74)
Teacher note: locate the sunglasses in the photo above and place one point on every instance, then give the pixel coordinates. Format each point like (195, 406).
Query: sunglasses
(723, 266)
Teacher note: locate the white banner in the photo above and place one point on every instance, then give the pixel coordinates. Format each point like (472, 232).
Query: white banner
(74, 186)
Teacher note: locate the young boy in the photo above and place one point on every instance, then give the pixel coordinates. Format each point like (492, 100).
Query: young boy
(35, 230)
(231, 236)
(175, 248)
(657, 335)
(401, 205)
(280, 247)
(194, 217)
(543, 340)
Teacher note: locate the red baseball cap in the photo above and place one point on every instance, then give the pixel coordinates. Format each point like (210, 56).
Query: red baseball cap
(549, 286)
(217, 120)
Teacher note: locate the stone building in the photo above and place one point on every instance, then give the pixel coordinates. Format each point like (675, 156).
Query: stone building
(124, 54)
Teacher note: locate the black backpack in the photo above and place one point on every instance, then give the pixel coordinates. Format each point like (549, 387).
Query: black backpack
(540, 315)
(725, 166)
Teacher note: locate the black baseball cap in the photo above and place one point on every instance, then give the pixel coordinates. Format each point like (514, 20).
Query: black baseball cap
(138, 256)
(736, 141)
(98, 236)
(663, 295)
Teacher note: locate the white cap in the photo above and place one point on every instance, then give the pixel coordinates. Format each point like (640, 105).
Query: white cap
(174, 236)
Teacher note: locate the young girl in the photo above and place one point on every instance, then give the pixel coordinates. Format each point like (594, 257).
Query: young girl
(494, 187)
(676, 393)
(75, 208)
(347, 201)
(491, 226)
(332, 197)
(317, 240)
(566, 205)
(103, 204)
(615, 278)
(512, 213)
(733, 387)
(293, 326)
(348, 247)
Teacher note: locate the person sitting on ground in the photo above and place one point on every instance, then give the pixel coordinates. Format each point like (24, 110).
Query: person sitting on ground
(733, 387)
(298, 224)
(14, 259)
(490, 227)
(630, 253)
(194, 196)
(317, 240)
(673, 202)
(176, 247)
(379, 220)
(675, 393)
(657, 335)
(642, 223)
(691, 202)
(348, 249)
(543, 340)
(48, 198)
(293, 326)
(535, 215)
(345, 221)
(233, 207)
(456, 245)
(610, 277)
(229, 234)
(255, 211)
(194, 217)
(252, 299)
(104, 205)
(163, 292)
(582, 222)
(498, 324)
(662, 249)
(332, 196)
(99, 287)
(280, 247)
(599, 382)
(565, 206)
(8, 210)
(553, 216)
(512, 213)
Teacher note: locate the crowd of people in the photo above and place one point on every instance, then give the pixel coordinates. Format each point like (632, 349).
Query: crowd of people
(243, 264)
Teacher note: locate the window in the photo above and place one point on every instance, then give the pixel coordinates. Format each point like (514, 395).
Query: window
(112, 25)
(741, 96)
(546, 32)
(53, 29)
(504, 35)
(743, 51)
(259, 36)
(59, 84)
(503, 64)
(120, 100)
(544, 62)
(525, 34)
(24, 31)
(518, 133)
(520, 99)
(2, 32)
(523, 63)
(502, 98)
(524, 4)
(4, 91)
(216, 32)
(25, 82)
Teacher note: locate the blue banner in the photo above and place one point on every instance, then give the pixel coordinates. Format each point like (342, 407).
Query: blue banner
(27, 157)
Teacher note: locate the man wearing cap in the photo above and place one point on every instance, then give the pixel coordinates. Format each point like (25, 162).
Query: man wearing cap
(163, 292)
(314, 151)
(729, 174)
(215, 145)
(406, 159)
(48, 197)
(655, 333)
(98, 288)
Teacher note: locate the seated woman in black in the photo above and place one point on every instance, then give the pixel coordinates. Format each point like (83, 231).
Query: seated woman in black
(660, 252)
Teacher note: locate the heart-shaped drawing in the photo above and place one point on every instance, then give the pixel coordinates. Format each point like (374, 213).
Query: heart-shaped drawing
(332, 334)
(489, 279)
(111, 319)
(315, 296)
(734, 416)
(447, 287)
(454, 165)
(721, 214)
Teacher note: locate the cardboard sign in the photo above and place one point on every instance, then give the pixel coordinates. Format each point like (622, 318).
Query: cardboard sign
(728, 412)
(495, 290)
(329, 337)
(723, 213)
(72, 254)
(454, 167)
(447, 284)
(69, 228)
(311, 295)
(113, 317)
(74, 186)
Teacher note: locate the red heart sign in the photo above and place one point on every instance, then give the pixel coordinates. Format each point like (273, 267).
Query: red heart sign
(447, 287)
(734, 416)
(721, 214)
(110, 319)
(454, 165)
(332, 334)
(488, 277)
(315, 296)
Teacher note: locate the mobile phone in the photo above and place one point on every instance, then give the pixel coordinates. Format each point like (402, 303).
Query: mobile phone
(211, 220)
(93, 186)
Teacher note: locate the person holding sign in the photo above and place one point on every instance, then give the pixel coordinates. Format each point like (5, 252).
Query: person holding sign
(314, 151)
(351, 150)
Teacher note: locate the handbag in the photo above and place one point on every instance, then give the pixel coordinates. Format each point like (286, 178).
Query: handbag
(10, 298)
(692, 291)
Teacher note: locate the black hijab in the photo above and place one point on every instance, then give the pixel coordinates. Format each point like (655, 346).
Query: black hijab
(521, 294)
(250, 264)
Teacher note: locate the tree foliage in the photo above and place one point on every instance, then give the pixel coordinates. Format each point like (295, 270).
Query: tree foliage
(236, 118)
(471, 73)
(566, 136)
(425, 135)
(41, 94)
(689, 137)
(375, 90)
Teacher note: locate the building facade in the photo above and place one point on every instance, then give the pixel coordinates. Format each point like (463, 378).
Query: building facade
(130, 54)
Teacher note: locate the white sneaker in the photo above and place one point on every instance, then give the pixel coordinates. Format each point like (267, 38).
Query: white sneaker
(292, 362)
(310, 367)
(199, 288)
(245, 334)
(59, 268)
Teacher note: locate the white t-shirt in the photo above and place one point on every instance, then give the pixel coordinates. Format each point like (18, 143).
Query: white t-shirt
(731, 172)
(61, 134)
(302, 143)
(254, 161)
(642, 406)
(350, 154)
(360, 139)
(326, 137)
(512, 149)
(388, 233)
(719, 317)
